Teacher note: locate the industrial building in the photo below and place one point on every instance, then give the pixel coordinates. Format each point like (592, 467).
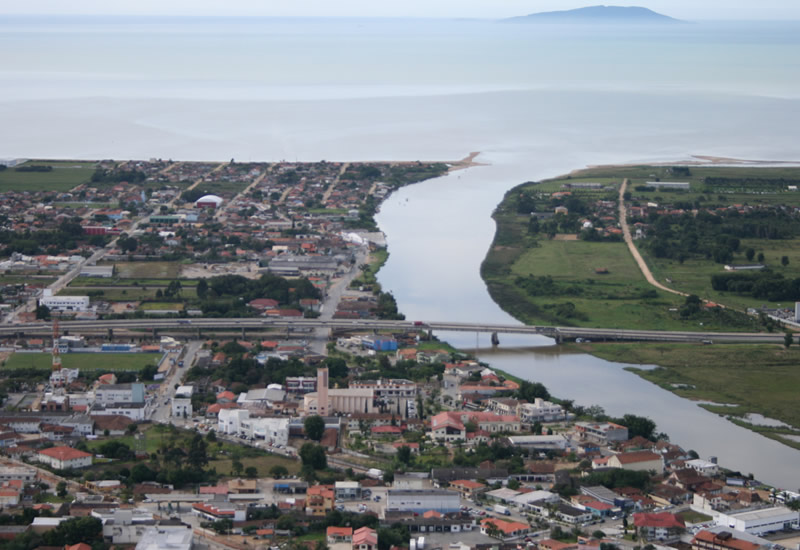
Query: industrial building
(405, 500)
(759, 522)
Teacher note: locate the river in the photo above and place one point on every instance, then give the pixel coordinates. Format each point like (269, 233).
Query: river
(438, 232)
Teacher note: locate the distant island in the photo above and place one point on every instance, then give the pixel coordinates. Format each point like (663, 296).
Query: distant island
(596, 14)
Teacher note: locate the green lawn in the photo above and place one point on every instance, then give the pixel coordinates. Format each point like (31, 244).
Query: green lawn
(64, 176)
(761, 378)
(112, 295)
(84, 361)
(694, 275)
(161, 306)
(690, 516)
(148, 270)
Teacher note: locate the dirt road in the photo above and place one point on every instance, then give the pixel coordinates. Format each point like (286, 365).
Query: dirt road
(626, 233)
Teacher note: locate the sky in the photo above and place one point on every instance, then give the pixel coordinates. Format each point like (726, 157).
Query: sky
(682, 9)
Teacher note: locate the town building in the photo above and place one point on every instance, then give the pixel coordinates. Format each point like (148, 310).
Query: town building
(762, 521)
(166, 538)
(63, 303)
(108, 394)
(640, 461)
(663, 526)
(64, 458)
(420, 502)
(724, 540)
(603, 433)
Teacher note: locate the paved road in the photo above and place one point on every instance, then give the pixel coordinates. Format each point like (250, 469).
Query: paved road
(626, 234)
(300, 325)
(162, 409)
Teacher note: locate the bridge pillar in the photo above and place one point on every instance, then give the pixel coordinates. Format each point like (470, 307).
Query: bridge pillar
(243, 333)
(495, 339)
(110, 334)
(430, 334)
(198, 333)
(155, 332)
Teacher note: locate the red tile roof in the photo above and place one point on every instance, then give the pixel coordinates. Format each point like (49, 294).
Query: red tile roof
(663, 520)
(63, 453)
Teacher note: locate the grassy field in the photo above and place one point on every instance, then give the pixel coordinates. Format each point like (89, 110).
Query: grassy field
(132, 294)
(84, 361)
(760, 378)
(20, 279)
(690, 516)
(147, 270)
(368, 276)
(694, 275)
(220, 453)
(162, 306)
(128, 283)
(621, 298)
(63, 177)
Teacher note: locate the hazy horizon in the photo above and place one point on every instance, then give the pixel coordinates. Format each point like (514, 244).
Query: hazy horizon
(736, 10)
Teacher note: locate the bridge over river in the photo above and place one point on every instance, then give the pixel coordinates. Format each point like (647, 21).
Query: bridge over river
(298, 325)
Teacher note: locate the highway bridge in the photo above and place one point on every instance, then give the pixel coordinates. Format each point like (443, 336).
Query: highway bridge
(290, 325)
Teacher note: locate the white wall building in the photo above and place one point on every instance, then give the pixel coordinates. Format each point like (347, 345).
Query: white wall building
(421, 501)
(63, 303)
(760, 522)
(64, 458)
(107, 394)
(540, 411)
(166, 538)
(181, 407)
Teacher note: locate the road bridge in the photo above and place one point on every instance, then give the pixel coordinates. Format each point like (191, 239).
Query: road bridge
(294, 325)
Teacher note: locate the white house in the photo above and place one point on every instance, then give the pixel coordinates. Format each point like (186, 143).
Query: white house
(406, 500)
(64, 458)
(703, 467)
(181, 407)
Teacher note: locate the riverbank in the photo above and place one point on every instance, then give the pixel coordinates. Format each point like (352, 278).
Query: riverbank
(558, 255)
(734, 381)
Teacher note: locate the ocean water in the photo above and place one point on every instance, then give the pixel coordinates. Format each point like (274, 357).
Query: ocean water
(271, 89)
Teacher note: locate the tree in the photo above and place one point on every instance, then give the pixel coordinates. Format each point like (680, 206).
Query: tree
(314, 427)
(314, 456)
(43, 312)
(760, 257)
(202, 288)
(222, 526)
(787, 340)
(61, 489)
(251, 471)
(750, 254)
(278, 471)
(598, 534)
(784, 261)
(211, 436)
(492, 530)
(237, 466)
(198, 452)
(639, 425)
(404, 454)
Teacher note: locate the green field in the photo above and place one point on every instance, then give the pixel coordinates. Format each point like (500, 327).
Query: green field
(147, 270)
(161, 306)
(622, 298)
(84, 361)
(694, 275)
(128, 283)
(760, 378)
(619, 299)
(132, 294)
(220, 453)
(64, 176)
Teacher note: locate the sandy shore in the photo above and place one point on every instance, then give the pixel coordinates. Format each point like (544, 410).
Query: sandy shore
(694, 160)
(466, 162)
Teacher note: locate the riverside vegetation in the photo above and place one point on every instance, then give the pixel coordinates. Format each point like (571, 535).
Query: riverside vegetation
(558, 258)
